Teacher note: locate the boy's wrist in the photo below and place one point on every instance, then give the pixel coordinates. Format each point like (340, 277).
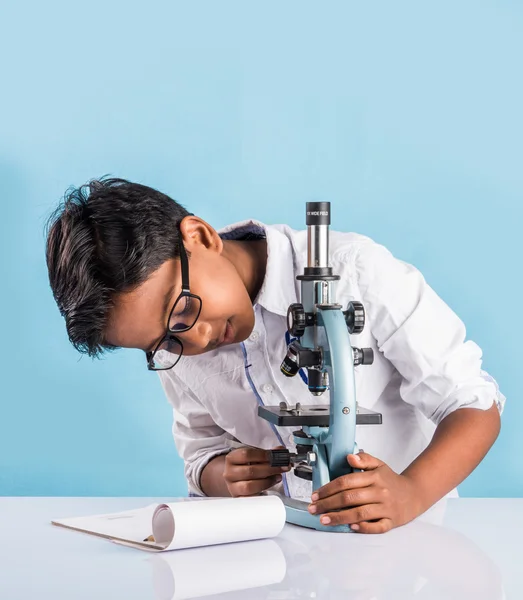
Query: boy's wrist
(419, 500)
(212, 482)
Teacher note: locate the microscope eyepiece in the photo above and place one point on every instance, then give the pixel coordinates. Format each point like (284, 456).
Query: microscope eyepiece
(318, 213)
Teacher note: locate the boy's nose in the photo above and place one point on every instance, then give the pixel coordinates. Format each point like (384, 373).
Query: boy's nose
(199, 337)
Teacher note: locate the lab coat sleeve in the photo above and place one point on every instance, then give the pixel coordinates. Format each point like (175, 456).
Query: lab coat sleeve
(422, 337)
(197, 437)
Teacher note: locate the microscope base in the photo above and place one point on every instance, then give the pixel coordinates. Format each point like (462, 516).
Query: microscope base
(297, 514)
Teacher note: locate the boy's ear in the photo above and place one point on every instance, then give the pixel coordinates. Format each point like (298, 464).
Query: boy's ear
(197, 233)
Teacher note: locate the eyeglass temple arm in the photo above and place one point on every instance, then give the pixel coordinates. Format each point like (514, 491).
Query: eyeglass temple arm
(185, 262)
(185, 268)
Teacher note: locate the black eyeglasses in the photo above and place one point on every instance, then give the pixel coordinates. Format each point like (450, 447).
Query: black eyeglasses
(183, 316)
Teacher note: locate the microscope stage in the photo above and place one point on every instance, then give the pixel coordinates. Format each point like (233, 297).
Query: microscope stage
(312, 415)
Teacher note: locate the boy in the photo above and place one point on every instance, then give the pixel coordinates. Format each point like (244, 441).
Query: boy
(129, 267)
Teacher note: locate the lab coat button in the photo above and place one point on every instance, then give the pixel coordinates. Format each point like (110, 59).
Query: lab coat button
(254, 336)
(267, 388)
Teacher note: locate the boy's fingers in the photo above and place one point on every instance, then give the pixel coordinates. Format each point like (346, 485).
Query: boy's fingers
(356, 497)
(352, 516)
(362, 460)
(380, 526)
(250, 472)
(243, 456)
(344, 482)
(246, 455)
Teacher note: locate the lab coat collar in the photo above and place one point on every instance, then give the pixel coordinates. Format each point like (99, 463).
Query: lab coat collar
(278, 290)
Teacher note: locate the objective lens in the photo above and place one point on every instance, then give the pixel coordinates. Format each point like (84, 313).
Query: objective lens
(289, 367)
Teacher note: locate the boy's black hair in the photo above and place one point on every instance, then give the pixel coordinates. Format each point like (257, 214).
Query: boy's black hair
(106, 237)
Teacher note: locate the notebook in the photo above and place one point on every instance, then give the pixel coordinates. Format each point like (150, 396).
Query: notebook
(187, 523)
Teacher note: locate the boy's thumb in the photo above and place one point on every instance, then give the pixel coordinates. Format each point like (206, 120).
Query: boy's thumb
(362, 460)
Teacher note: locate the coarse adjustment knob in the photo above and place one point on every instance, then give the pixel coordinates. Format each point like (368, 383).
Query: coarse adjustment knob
(280, 458)
(296, 320)
(355, 317)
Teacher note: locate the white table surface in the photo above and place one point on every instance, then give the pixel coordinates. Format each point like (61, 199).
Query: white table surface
(462, 548)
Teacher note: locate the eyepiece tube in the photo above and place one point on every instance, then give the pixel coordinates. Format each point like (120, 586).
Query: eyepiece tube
(318, 221)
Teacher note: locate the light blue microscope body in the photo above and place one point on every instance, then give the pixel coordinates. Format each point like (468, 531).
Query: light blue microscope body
(322, 345)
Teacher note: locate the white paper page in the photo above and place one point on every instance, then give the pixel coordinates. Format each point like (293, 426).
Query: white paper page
(133, 525)
(188, 522)
(186, 525)
(227, 568)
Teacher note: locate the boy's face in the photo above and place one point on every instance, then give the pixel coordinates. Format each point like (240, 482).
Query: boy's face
(222, 274)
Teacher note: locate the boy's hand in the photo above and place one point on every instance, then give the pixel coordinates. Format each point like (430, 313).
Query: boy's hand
(373, 501)
(247, 471)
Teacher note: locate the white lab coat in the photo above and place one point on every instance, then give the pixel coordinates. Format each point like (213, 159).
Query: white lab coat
(423, 369)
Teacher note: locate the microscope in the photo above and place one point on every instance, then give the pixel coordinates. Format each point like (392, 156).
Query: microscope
(321, 345)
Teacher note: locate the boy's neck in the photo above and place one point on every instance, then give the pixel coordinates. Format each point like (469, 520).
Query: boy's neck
(250, 260)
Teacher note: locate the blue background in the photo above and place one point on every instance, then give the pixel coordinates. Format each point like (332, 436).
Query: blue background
(405, 115)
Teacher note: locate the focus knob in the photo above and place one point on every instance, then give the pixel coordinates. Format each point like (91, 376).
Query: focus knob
(363, 356)
(296, 320)
(355, 317)
(367, 356)
(280, 458)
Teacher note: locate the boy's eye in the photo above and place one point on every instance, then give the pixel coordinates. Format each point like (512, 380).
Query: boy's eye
(183, 306)
(184, 314)
(168, 345)
(173, 345)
